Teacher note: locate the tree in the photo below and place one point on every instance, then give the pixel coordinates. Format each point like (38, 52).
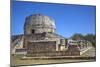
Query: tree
(91, 38)
(88, 37)
(77, 36)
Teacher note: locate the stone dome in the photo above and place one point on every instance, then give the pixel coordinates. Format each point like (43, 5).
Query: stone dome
(38, 23)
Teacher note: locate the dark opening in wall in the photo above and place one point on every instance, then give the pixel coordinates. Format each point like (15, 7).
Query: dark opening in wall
(32, 31)
(44, 34)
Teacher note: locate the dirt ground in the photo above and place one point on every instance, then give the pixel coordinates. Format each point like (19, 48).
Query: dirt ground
(16, 60)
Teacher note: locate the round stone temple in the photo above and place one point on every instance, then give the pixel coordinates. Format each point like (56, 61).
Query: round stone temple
(38, 23)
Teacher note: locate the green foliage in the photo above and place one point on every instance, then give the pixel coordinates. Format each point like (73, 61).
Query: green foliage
(91, 38)
(88, 37)
(77, 36)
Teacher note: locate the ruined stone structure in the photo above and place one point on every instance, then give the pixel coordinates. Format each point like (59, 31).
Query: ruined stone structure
(40, 38)
(40, 35)
(78, 45)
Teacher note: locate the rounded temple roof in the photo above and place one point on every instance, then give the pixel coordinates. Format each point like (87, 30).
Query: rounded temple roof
(39, 22)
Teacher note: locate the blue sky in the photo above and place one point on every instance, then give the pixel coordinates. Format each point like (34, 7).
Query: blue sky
(70, 19)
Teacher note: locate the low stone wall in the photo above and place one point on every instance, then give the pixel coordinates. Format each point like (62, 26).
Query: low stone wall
(59, 57)
(54, 53)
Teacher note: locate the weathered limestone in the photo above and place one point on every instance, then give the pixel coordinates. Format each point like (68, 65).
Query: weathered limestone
(38, 24)
(39, 32)
(40, 39)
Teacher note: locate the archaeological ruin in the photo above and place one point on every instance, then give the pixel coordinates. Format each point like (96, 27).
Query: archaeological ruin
(40, 39)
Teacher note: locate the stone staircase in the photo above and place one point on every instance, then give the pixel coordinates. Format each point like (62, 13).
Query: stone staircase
(17, 44)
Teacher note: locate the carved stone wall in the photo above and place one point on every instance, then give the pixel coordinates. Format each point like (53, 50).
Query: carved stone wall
(41, 46)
